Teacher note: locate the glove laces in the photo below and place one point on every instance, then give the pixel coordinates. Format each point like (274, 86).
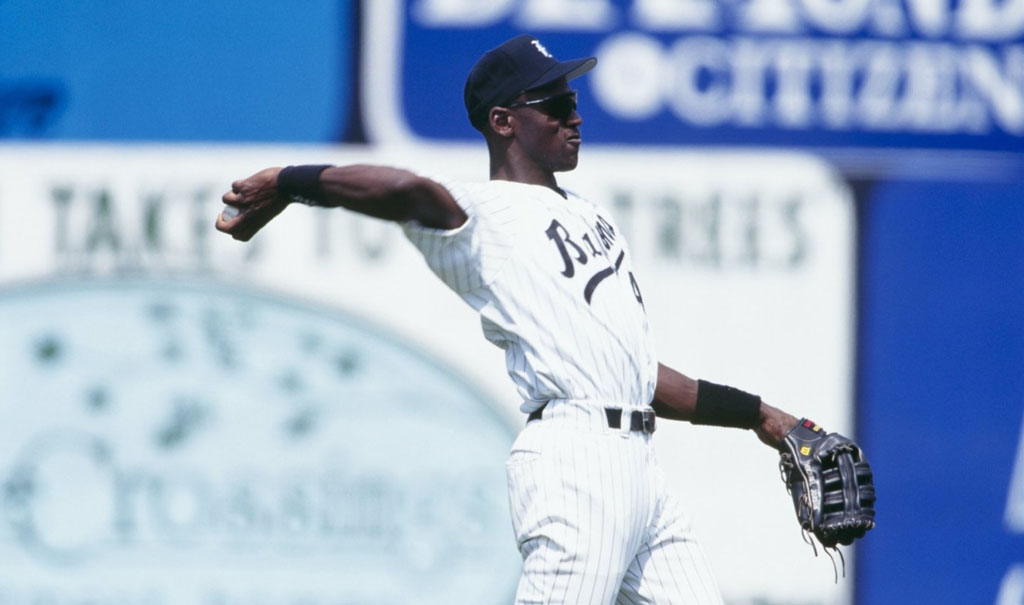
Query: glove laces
(809, 538)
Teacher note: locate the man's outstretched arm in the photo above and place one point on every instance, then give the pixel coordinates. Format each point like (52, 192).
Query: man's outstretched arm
(826, 474)
(680, 397)
(379, 191)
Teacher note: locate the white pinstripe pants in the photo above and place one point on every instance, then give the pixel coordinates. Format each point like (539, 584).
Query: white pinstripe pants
(593, 518)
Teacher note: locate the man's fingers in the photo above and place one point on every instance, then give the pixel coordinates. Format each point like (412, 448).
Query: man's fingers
(249, 206)
(228, 219)
(235, 229)
(242, 223)
(222, 225)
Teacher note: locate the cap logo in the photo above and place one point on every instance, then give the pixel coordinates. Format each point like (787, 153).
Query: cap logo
(540, 48)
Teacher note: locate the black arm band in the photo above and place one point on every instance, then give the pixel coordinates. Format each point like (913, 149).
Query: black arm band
(302, 182)
(725, 406)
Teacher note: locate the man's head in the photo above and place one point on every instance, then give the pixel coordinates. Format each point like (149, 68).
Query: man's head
(504, 73)
(518, 96)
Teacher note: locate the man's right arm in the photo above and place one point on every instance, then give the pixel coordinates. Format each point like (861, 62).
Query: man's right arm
(379, 191)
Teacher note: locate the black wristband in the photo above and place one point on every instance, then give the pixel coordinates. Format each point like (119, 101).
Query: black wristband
(302, 182)
(726, 406)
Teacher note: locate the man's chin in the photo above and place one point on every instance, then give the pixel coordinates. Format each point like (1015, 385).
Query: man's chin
(568, 164)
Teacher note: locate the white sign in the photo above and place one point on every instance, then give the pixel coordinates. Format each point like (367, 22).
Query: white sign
(745, 260)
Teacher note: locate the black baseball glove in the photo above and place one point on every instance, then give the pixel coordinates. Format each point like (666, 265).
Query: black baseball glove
(831, 484)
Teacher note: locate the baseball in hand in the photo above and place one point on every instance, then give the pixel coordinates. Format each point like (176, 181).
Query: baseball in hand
(229, 212)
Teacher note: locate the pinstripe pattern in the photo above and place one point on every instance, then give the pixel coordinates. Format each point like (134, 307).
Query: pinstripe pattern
(552, 280)
(594, 519)
(504, 264)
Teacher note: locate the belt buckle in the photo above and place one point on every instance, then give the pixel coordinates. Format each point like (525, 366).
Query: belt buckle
(648, 420)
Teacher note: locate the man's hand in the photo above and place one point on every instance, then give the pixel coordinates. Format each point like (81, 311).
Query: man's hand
(257, 202)
(774, 424)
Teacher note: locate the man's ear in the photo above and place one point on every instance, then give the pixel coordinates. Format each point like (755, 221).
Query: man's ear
(500, 120)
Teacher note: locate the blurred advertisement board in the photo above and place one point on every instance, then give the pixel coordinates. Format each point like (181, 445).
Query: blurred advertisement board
(173, 442)
(879, 73)
(313, 417)
(941, 351)
(148, 70)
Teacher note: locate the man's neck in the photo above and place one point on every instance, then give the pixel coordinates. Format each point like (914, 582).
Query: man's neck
(529, 176)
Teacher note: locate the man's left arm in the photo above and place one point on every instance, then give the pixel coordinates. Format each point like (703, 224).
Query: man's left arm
(826, 474)
(677, 396)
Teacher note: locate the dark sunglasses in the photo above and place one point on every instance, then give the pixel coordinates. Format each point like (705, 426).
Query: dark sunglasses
(559, 106)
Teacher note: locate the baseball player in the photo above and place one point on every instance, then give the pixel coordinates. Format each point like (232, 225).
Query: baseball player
(552, 279)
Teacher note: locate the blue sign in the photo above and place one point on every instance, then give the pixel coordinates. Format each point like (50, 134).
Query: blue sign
(935, 74)
(181, 71)
(941, 392)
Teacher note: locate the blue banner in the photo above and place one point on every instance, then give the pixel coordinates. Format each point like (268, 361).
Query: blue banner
(182, 71)
(941, 392)
(932, 74)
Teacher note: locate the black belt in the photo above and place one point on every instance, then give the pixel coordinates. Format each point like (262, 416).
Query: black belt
(639, 420)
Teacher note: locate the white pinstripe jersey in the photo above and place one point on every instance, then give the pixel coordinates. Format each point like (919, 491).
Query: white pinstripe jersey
(552, 281)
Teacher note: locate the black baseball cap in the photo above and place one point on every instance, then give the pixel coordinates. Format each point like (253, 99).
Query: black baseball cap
(516, 66)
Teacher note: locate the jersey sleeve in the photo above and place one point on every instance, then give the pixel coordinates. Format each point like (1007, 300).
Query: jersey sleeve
(470, 256)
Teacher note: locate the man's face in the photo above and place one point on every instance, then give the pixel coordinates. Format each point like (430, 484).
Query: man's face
(548, 130)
